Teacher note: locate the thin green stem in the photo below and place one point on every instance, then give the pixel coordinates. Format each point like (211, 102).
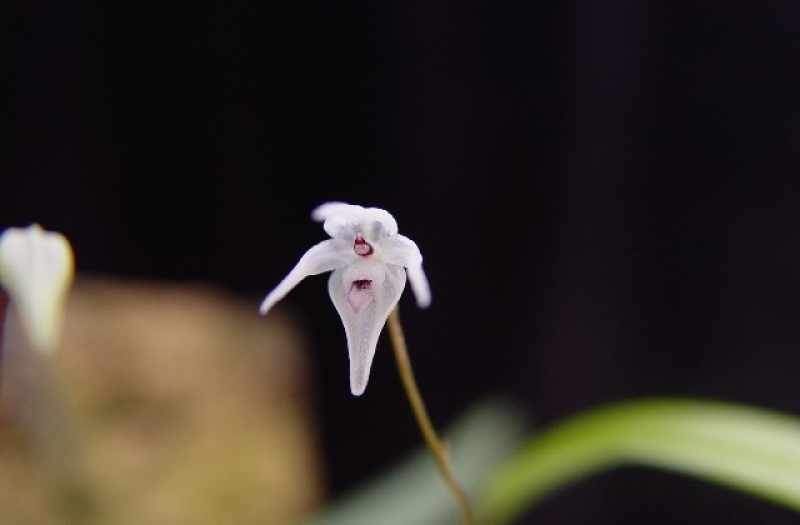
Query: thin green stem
(437, 447)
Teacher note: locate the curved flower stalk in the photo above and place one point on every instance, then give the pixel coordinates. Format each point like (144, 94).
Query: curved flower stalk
(370, 261)
(36, 269)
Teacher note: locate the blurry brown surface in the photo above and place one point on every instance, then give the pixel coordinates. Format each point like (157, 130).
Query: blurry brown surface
(188, 406)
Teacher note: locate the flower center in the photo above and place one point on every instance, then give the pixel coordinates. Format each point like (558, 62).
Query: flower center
(362, 247)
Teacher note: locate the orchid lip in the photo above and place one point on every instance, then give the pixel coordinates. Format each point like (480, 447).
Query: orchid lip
(360, 294)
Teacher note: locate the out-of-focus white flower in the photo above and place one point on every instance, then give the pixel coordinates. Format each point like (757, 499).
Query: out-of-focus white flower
(36, 269)
(370, 261)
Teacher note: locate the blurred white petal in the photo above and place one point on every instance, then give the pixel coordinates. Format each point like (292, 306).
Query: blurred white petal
(36, 269)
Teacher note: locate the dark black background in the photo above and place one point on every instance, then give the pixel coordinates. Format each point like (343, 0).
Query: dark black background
(605, 193)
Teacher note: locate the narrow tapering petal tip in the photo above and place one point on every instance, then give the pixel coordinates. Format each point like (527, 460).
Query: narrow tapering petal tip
(357, 389)
(264, 307)
(419, 285)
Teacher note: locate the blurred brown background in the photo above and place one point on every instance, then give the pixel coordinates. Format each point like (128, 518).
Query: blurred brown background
(168, 404)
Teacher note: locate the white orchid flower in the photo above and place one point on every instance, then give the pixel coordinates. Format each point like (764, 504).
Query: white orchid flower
(36, 269)
(370, 261)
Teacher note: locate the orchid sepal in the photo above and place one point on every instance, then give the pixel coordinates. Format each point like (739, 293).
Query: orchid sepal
(320, 258)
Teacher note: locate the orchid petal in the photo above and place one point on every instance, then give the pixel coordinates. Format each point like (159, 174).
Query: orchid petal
(363, 328)
(402, 251)
(346, 219)
(419, 285)
(321, 258)
(36, 269)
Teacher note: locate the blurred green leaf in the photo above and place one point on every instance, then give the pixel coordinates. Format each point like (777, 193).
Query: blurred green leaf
(746, 448)
(413, 493)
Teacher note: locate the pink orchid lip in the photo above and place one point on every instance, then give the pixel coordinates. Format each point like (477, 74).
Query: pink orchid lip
(362, 247)
(360, 294)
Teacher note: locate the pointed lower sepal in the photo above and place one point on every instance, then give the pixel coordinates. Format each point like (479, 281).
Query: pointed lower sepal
(363, 325)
